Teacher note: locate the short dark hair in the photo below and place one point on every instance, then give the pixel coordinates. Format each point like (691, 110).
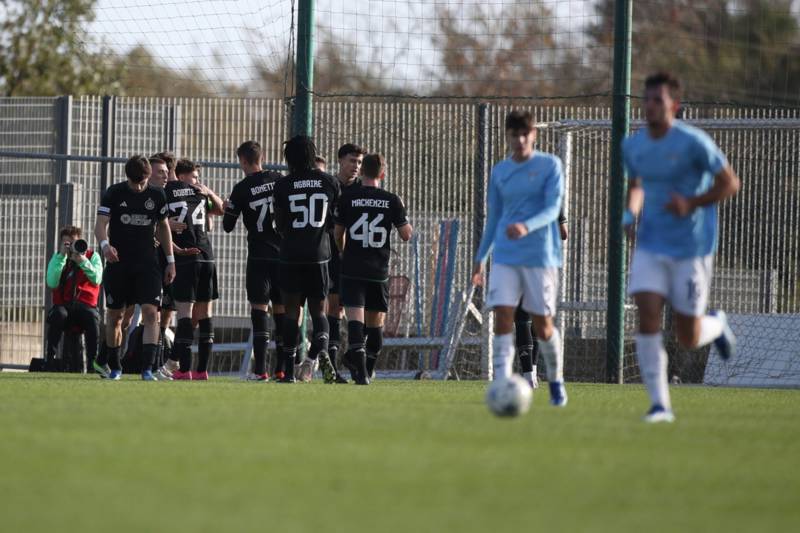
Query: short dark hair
(185, 166)
(320, 159)
(519, 120)
(70, 231)
(167, 157)
(250, 151)
(157, 161)
(300, 153)
(137, 167)
(664, 78)
(350, 148)
(373, 165)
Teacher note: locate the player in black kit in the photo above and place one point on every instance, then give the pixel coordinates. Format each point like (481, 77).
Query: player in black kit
(196, 273)
(303, 200)
(127, 217)
(364, 220)
(350, 157)
(252, 199)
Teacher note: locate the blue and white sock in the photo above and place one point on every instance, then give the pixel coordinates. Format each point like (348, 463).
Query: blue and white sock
(653, 365)
(503, 356)
(550, 350)
(710, 329)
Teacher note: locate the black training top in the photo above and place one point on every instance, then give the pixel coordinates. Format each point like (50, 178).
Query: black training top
(133, 219)
(186, 203)
(253, 198)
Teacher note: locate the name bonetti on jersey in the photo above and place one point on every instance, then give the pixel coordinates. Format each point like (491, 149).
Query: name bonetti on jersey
(267, 187)
(182, 192)
(305, 184)
(370, 202)
(135, 220)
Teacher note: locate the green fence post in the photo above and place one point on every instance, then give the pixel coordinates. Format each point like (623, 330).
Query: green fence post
(615, 314)
(302, 116)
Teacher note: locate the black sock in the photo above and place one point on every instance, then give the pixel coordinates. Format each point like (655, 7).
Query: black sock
(206, 343)
(112, 354)
(300, 341)
(183, 344)
(260, 340)
(278, 336)
(524, 341)
(335, 338)
(355, 335)
(102, 354)
(373, 345)
(159, 359)
(148, 355)
(319, 341)
(289, 347)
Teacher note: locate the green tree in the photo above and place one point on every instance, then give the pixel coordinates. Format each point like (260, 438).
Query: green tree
(44, 50)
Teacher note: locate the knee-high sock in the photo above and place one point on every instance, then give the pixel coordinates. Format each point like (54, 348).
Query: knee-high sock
(148, 356)
(710, 328)
(553, 358)
(373, 345)
(525, 345)
(278, 319)
(112, 353)
(205, 343)
(184, 336)
(289, 346)
(503, 358)
(355, 335)
(260, 340)
(335, 338)
(653, 364)
(319, 341)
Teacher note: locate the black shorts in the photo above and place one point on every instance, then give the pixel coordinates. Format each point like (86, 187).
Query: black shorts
(131, 283)
(334, 272)
(371, 295)
(195, 282)
(261, 281)
(308, 280)
(167, 301)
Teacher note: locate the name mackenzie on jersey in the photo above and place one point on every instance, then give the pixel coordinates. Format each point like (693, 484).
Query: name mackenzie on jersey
(370, 202)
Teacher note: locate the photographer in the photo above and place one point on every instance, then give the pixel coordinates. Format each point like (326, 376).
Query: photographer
(74, 274)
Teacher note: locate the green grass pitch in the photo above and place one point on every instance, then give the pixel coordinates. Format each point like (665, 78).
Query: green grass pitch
(81, 454)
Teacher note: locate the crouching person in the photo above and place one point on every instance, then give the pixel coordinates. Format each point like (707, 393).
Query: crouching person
(74, 275)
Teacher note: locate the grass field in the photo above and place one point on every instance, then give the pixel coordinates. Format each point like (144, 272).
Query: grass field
(81, 454)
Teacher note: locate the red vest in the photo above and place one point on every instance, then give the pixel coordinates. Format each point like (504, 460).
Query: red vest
(75, 286)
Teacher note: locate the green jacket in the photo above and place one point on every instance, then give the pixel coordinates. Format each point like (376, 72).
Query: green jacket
(93, 268)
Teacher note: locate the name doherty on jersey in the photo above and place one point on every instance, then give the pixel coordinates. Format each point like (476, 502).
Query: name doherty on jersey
(177, 193)
(305, 184)
(370, 202)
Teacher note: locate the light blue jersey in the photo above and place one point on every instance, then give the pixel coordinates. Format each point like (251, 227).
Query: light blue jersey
(683, 161)
(529, 192)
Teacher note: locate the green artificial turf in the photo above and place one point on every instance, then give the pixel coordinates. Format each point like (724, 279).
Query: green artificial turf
(82, 454)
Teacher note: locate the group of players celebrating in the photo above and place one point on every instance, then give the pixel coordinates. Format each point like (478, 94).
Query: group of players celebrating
(313, 239)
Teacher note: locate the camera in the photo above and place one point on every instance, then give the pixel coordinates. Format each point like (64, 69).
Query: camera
(80, 246)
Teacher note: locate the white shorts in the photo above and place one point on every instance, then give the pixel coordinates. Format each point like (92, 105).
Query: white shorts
(685, 283)
(536, 287)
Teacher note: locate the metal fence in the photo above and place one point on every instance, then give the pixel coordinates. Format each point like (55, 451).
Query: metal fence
(438, 156)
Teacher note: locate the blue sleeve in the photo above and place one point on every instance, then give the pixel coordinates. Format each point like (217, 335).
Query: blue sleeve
(495, 209)
(554, 192)
(708, 155)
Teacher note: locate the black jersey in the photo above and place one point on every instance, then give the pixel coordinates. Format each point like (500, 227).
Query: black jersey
(368, 214)
(133, 217)
(189, 206)
(306, 201)
(252, 198)
(343, 187)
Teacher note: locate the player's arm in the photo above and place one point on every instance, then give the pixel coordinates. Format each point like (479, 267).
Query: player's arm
(101, 233)
(339, 236)
(494, 209)
(164, 236)
(554, 192)
(726, 184)
(633, 205)
(217, 206)
(400, 221)
(232, 212)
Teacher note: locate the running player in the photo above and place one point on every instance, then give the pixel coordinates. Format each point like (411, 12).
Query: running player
(252, 199)
(350, 157)
(302, 201)
(196, 273)
(128, 214)
(527, 349)
(525, 194)
(365, 217)
(677, 177)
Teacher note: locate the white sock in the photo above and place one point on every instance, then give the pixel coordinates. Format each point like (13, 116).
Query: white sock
(550, 351)
(653, 364)
(503, 357)
(710, 330)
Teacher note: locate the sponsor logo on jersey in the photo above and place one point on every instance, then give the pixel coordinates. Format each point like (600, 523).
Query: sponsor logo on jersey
(305, 184)
(135, 220)
(124, 204)
(149, 204)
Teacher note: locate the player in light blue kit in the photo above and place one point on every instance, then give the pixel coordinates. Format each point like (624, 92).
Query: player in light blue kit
(525, 194)
(677, 176)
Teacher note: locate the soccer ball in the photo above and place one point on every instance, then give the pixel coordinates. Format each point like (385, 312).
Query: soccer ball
(509, 396)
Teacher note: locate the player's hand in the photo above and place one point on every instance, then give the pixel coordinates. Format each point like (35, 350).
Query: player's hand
(185, 251)
(477, 275)
(202, 189)
(227, 205)
(110, 253)
(679, 205)
(77, 258)
(562, 230)
(517, 230)
(169, 274)
(175, 226)
(66, 249)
